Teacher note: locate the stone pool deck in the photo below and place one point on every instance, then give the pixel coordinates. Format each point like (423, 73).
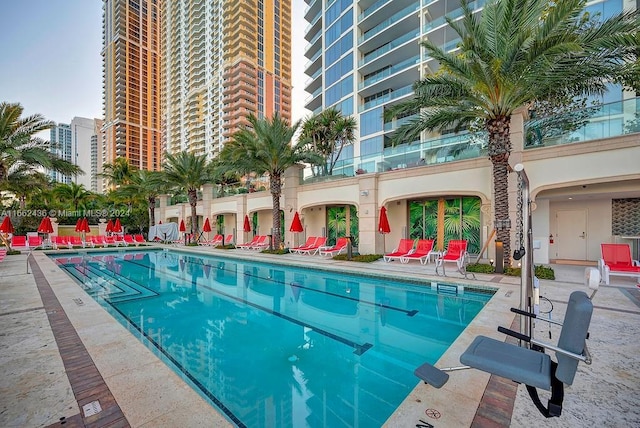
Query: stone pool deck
(60, 353)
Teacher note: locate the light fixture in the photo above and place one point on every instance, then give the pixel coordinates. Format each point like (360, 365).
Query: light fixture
(491, 262)
(364, 193)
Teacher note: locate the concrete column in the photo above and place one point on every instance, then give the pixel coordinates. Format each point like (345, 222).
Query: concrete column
(370, 241)
(207, 201)
(517, 136)
(162, 210)
(292, 178)
(242, 237)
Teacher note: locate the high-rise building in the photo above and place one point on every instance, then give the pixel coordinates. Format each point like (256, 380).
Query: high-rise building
(364, 56)
(131, 56)
(74, 143)
(96, 156)
(60, 139)
(222, 60)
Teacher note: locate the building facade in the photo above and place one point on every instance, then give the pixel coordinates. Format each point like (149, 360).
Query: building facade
(222, 60)
(132, 60)
(60, 138)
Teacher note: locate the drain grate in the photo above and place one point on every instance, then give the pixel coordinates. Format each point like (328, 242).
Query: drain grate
(91, 409)
(79, 302)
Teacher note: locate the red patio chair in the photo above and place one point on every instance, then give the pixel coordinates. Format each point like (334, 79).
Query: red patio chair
(616, 260)
(404, 247)
(423, 252)
(456, 253)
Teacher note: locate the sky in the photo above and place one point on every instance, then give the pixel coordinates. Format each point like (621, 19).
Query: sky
(50, 59)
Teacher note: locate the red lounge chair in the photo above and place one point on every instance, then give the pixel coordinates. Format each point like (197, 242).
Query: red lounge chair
(34, 241)
(422, 253)
(228, 240)
(19, 241)
(110, 240)
(75, 241)
(139, 239)
(3, 254)
(616, 260)
(456, 253)
(128, 240)
(404, 247)
(216, 240)
(254, 241)
(315, 247)
(262, 244)
(309, 243)
(341, 245)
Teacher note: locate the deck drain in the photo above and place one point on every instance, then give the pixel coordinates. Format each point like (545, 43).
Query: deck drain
(91, 409)
(79, 302)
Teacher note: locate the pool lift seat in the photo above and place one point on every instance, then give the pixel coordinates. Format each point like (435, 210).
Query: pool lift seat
(530, 365)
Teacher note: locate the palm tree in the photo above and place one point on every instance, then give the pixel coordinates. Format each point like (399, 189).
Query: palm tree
(118, 173)
(327, 134)
(21, 150)
(266, 148)
(188, 172)
(25, 183)
(74, 193)
(147, 184)
(513, 53)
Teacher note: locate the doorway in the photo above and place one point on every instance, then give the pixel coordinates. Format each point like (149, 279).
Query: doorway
(571, 234)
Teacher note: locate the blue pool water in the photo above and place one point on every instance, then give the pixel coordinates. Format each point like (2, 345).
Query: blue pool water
(277, 346)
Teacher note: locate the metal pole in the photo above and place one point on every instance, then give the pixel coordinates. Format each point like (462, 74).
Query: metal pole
(526, 273)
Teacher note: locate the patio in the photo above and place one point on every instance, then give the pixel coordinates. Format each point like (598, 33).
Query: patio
(134, 388)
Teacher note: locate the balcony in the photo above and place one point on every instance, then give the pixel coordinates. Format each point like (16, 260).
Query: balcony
(388, 30)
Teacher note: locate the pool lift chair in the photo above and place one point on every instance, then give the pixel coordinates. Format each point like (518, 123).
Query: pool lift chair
(528, 363)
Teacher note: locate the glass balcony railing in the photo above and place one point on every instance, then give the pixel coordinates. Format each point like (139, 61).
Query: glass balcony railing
(452, 15)
(593, 123)
(389, 71)
(389, 22)
(388, 47)
(415, 154)
(397, 93)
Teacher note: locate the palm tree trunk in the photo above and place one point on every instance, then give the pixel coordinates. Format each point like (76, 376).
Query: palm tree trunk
(193, 201)
(499, 150)
(152, 211)
(275, 184)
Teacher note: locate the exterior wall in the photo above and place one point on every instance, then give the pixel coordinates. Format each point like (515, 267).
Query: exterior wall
(82, 132)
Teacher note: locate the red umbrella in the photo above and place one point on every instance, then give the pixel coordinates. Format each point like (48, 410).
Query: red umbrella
(45, 225)
(109, 226)
(117, 227)
(6, 226)
(247, 225)
(207, 226)
(296, 224)
(383, 224)
(85, 225)
(79, 225)
(182, 228)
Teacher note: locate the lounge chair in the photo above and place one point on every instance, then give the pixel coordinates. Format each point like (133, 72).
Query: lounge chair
(311, 240)
(128, 240)
(530, 365)
(75, 241)
(228, 240)
(423, 252)
(110, 241)
(34, 241)
(19, 241)
(616, 260)
(3, 254)
(341, 245)
(139, 239)
(312, 250)
(216, 240)
(456, 253)
(255, 240)
(262, 244)
(404, 247)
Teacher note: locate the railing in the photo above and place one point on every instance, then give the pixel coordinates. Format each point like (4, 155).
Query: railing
(398, 16)
(430, 152)
(592, 123)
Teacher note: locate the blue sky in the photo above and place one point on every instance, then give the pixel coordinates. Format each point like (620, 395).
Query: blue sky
(50, 58)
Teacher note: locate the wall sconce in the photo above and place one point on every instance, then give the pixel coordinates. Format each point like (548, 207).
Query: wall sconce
(364, 193)
(491, 262)
(503, 224)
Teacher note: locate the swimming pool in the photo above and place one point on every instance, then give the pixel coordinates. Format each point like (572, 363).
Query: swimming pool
(273, 345)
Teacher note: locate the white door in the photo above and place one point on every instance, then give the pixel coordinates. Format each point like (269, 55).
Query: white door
(571, 235)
